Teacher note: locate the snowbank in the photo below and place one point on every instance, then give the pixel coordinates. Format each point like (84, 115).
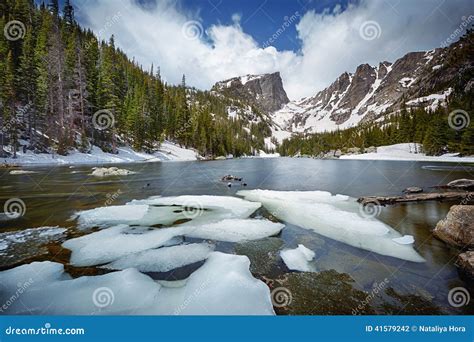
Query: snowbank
(167, 152)
(408, 152)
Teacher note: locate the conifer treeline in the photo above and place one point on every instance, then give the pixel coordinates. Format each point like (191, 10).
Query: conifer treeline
(437, 131)
(61, 88)
(446, 129)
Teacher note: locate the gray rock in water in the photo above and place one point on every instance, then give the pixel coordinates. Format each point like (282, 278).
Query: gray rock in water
(466, 263)
(465, 184)
(413, 190)
(457, 228)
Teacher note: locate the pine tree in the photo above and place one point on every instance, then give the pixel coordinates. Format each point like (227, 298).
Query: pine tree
(68, 13)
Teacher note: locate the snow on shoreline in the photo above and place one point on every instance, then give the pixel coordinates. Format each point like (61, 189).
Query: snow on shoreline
(167, 152)
(406, 152)
(171, 152)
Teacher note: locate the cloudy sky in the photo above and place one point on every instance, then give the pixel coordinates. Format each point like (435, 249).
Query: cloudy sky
(311, 42)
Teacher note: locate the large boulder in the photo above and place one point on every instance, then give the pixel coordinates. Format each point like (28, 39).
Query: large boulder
(457, 228)
(465, 261)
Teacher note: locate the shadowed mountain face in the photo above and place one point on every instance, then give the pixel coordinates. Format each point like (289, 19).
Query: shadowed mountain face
(265, 92)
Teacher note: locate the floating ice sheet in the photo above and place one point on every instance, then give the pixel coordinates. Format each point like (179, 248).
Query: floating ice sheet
(163, 259)
(114, 243)
(337, 217)
(222, 286)
(235, 230)
(168, 210)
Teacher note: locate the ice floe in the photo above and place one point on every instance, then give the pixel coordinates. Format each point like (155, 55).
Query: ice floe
(222, 286)
(22, 172)
(298, 259)
(168, 210)
(113, 243)
(110, 244)
(235, 230)
(163, 259)
(336, 217)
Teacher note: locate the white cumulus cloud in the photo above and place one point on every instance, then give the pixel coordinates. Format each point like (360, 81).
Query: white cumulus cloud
(331, 42)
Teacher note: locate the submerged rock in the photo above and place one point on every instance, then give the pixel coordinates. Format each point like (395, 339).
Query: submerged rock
(324, 293)
(21, 245)
(263, 254)
(457, 228)
(409, 304)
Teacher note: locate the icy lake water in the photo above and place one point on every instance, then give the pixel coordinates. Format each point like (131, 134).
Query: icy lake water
(342, 276)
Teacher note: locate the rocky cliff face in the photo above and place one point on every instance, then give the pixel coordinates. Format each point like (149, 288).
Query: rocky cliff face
(423, 79)
(265, 92)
